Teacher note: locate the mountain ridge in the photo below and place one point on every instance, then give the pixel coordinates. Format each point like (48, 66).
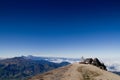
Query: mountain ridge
(19, 68)
(77, 71)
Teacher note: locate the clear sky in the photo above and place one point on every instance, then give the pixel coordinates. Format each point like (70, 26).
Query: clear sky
(63, 28)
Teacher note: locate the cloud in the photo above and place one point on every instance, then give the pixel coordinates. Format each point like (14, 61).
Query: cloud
(113, 64)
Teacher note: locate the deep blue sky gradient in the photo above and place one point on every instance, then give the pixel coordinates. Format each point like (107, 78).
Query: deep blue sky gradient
(70, 28)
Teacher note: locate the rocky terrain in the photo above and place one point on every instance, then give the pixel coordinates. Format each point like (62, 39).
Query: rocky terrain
(77, 71)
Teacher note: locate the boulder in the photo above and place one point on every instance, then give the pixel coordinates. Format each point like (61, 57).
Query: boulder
(88, 60)
(96, 62)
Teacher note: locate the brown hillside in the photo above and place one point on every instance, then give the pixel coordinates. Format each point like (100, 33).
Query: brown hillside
(77, 71)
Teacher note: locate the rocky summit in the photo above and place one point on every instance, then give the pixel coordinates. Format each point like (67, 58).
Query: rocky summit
(96, 62)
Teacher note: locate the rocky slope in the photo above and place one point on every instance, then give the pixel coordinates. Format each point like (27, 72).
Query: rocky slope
(77, 71)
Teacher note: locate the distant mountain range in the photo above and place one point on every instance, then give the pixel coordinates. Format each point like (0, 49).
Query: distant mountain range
(20, 68)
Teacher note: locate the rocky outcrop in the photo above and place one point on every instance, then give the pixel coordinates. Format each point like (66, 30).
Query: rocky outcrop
(88, 61)
(94, 62)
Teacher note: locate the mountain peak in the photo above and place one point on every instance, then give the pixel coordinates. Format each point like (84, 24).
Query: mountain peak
(77, 71)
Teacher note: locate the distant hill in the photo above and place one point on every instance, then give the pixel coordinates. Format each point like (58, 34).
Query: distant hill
(20, 68)
(77, 71)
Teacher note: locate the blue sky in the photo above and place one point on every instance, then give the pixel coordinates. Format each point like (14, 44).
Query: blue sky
(71, 28)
